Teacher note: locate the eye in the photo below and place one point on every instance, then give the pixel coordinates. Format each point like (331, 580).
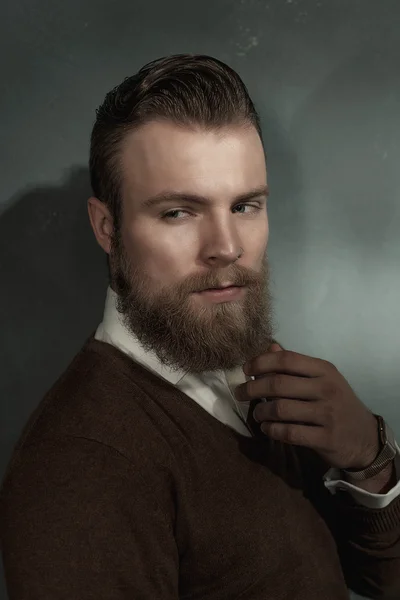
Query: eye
(252, 207)
(172, 215)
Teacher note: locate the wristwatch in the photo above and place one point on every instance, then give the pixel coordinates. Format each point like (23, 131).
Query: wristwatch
(386, 453)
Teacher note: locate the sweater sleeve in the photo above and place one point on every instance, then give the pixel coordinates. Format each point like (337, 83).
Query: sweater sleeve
(368, 539)
(78, 520)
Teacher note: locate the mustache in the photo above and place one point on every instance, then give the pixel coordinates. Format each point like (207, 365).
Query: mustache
(124, 272)
(239, 277)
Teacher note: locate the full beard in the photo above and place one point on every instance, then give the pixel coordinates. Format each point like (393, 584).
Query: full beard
(191, 336)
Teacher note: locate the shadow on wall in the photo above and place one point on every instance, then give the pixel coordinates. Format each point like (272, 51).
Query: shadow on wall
(55, 276)
(54, 280)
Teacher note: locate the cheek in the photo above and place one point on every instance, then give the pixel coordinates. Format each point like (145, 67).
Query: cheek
(166, 267)
(258, 240)
(162, 260)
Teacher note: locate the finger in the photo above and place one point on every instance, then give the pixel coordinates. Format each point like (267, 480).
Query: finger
(292, 411)
(280, 386)
(298, 435)
(289, 362)
(275, 347)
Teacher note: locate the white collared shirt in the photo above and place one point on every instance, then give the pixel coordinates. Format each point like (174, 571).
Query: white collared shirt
(214, 392)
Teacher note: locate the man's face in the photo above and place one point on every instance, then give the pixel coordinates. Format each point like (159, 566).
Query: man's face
(186, 215)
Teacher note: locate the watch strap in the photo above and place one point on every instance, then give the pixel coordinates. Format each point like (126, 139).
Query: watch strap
(386, 454)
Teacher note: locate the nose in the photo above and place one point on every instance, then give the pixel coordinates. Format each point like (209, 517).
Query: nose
(222, 246)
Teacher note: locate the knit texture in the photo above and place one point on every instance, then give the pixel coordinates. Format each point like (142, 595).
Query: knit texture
(121, 487)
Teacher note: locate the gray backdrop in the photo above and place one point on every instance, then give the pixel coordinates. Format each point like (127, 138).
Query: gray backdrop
(325, 77)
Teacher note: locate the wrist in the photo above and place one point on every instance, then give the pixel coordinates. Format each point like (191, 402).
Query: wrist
(380, 470)
(381, 483)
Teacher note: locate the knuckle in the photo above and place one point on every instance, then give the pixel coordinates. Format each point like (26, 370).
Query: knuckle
(283, 360)
(292, 436)
(279, 409)
(276, 384)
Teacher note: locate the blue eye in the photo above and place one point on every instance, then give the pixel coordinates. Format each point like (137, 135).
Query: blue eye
(254, 207)
(172, 214)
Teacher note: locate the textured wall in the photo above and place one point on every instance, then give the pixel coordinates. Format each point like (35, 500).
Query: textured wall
(325, 77)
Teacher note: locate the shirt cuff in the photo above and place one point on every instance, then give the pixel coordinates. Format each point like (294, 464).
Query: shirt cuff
(333, 482)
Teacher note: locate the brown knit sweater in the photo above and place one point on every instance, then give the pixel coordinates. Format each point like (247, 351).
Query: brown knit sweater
(124, 488)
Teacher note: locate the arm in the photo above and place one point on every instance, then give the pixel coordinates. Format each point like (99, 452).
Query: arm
(78, 520)
(368, 539)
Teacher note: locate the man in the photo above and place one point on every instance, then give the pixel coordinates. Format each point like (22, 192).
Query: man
(153, 469)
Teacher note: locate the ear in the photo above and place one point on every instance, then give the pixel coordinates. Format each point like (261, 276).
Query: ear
(101, 222)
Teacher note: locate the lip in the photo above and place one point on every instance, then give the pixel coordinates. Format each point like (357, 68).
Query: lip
(227, 284)
(225, 294)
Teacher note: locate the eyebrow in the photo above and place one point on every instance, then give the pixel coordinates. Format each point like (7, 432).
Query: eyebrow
(170, 197)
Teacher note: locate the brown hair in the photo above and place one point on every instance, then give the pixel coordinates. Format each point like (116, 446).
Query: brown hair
(186, 89)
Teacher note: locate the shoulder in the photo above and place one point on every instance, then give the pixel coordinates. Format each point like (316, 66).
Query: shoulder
(98, 399)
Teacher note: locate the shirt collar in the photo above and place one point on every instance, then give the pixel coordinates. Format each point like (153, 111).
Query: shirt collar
(113, 331)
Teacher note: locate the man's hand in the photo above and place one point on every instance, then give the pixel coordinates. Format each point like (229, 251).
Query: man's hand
(311, 405)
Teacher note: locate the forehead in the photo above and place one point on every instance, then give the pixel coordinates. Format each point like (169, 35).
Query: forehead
(162, 156)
